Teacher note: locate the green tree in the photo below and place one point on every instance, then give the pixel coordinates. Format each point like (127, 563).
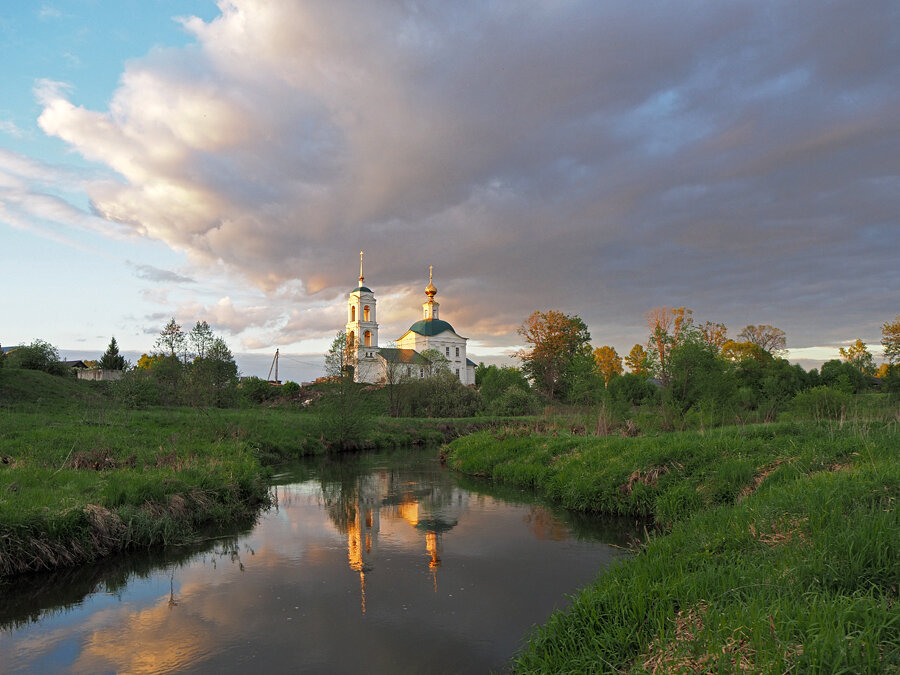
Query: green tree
(343, 414)
(394, 373)
(558, 348)
(697, 376)
(201, 339)
(171, 339)
(437, 362)
(842, 376)
(493, 381)
(858, 356)
(890, 340)
(111, 359)
(39, 355)
(214, 376)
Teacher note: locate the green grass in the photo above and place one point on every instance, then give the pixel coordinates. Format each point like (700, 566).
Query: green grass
(82, 477)
(777, 548)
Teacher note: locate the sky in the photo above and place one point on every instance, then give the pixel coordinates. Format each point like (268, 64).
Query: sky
(228, 161)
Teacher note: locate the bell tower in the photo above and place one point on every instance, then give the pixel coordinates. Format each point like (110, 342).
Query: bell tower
(362, 327)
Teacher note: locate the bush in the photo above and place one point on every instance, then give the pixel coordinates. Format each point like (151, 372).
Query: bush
(441, 395)
(39, 355)
(821, 403)
(257, 390)
(633, 389)
(136, 389)
(514, 401)
(290, 390)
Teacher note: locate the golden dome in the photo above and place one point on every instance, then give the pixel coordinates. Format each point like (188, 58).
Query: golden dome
(430, 290)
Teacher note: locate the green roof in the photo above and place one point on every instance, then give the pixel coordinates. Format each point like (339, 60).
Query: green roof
(364, 289)
(392, 355)
(431, 327)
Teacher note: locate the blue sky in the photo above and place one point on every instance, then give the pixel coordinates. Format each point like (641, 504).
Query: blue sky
(227, 162)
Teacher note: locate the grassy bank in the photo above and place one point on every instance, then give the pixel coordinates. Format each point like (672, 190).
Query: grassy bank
(776, 549)
(82, 477)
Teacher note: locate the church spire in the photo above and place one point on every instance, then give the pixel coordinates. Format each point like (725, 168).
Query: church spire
(430, 308)
(430, 290)
(361, 277)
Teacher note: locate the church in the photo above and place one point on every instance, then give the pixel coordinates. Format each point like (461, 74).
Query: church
(429, 333)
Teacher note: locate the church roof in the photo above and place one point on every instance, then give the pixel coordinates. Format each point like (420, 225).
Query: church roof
(392, 355)
(363, 289)
(431, 327)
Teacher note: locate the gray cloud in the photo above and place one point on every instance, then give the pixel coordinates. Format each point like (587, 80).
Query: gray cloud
(151, 273)
(599, 158)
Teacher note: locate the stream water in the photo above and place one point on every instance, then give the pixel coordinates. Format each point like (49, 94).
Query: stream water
(380, 563)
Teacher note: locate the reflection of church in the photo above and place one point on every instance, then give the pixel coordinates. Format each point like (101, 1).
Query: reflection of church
(429, 333)
(384, 501)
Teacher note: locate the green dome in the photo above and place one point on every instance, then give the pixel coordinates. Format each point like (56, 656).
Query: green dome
(362, 289)
(430, 327)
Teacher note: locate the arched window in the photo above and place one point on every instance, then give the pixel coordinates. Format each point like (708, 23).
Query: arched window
(351, 340)
(366, 313)
(352, 313)
(368, 338)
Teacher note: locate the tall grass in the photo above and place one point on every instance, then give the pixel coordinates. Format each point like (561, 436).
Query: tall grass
(778, 547)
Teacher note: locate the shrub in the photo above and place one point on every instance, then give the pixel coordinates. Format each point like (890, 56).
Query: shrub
(514, 401)
(257, 390)
(821, 403)
(633, 389)
(39, 355)
(136, 389)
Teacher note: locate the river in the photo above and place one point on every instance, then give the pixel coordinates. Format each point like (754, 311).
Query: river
(379, 563)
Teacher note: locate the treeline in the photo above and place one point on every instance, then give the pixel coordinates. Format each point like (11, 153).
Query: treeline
(687, 369)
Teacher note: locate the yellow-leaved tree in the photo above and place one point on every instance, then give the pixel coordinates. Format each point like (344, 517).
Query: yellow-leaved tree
(607, 363)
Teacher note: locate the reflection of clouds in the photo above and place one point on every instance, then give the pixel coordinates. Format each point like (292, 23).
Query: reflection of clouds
(151, 640)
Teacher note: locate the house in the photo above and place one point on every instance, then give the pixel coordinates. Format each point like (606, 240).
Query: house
(430, 334)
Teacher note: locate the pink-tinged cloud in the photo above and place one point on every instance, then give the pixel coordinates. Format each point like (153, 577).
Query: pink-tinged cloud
(598, 158)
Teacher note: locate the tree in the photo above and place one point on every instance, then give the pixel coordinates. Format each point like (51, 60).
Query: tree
(858, 356)
(738, 352)
(608, 363)
(171, 339)
(772, 339)
(556, 344)
(494, 382)
(637, 361)
(39, 355)
(214, 376)
(696, 376)
(393, 373)
(667, 326)
(714, 334)
(111, 359)
(201, 338)
(437, 362)
(890, 339)
(342, 413)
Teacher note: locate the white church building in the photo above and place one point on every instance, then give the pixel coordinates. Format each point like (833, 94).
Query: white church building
(429, 333)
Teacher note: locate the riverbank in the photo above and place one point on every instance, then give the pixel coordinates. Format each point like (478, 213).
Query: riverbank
(82, 477)
(777, 547)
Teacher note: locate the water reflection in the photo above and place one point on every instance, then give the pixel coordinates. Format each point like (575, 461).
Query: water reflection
(376, 563)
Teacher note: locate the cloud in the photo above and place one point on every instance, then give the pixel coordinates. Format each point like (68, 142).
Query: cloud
(151, 273)
(599, 158)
